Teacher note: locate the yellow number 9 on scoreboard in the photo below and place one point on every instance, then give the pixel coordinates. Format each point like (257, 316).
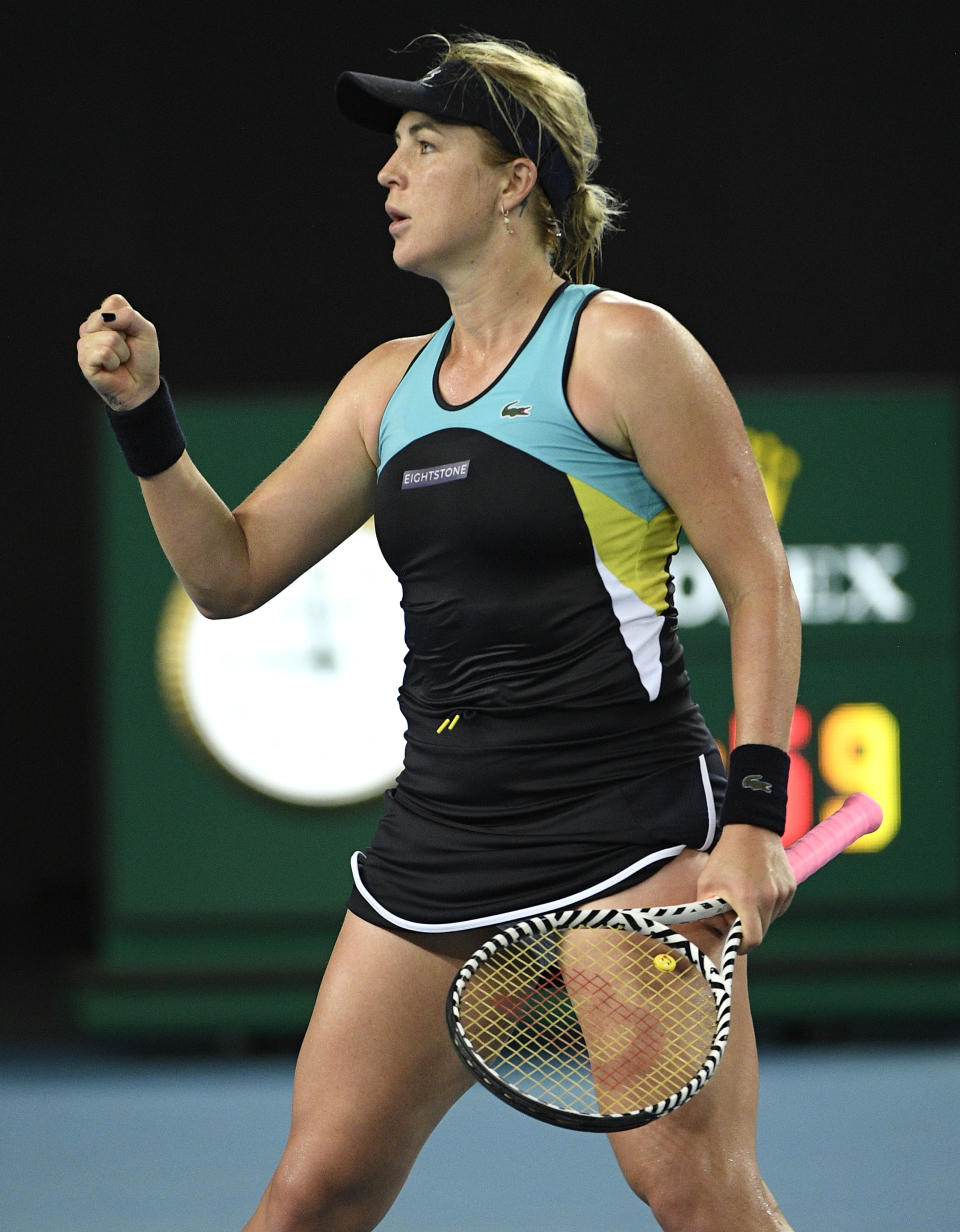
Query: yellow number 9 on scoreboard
(859, 750)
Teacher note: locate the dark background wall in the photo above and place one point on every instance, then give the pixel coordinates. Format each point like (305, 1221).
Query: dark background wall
(787, 167)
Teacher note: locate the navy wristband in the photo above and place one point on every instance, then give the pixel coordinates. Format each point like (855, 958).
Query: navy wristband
(150, 435)
(757, 787)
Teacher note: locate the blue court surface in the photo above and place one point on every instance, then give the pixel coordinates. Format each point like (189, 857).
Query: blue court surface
(852, 1139)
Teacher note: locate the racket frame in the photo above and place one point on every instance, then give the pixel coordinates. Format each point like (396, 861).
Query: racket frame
(858, 815)
(650, 922)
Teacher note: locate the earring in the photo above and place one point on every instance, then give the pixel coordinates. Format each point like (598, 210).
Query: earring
(505, 215)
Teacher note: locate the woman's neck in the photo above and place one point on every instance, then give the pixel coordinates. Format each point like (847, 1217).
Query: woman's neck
(494, 314)
(492, 320)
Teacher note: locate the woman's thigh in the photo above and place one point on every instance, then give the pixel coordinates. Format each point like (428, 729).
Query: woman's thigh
(376, 1070)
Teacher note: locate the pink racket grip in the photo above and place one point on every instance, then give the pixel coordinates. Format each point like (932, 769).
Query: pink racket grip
(858, 815)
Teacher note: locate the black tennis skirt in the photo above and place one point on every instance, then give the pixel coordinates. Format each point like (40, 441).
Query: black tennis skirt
(423, 873)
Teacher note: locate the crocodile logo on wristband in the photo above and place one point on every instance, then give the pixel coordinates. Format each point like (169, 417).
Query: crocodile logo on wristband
(753, 782)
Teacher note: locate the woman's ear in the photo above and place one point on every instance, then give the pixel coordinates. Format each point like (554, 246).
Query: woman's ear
(520, 180)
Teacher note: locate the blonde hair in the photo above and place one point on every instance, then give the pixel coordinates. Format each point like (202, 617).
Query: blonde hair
(556, 99)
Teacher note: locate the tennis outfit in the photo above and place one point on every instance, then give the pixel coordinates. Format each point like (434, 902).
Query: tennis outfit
(553, 751)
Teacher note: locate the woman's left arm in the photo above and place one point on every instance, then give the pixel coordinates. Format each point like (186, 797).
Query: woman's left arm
(653, 392)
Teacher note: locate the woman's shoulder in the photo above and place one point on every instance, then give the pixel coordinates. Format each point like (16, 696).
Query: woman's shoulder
(616, 328)
(392, 356)
(625, 314)
(375, 376)
(365, 390)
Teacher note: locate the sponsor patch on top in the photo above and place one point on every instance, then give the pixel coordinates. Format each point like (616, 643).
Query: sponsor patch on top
(426, 476)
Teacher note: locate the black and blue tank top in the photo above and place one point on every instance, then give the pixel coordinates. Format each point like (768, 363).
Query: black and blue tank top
(535, 571)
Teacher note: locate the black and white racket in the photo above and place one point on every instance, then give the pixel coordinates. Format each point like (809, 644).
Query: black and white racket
(607, 1019)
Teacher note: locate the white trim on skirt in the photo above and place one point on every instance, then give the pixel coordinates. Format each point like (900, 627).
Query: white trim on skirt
(667, 853)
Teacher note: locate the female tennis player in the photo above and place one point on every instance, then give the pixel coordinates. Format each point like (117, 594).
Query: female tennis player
(529, 464)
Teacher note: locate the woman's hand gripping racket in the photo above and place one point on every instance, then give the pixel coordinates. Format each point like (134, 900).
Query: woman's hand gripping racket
(607, 1019)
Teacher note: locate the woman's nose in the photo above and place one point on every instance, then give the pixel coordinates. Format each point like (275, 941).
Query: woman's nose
(389, 173)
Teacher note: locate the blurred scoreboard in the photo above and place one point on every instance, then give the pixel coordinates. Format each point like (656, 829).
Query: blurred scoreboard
(243, 761)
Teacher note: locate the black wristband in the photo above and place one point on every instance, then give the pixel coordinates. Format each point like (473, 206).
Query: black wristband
(150, 435)
(757, 787)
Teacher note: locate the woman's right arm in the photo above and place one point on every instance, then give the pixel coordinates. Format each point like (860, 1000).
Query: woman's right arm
(231, 561)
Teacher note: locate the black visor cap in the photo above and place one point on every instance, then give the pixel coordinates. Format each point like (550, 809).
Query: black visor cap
(454, 91)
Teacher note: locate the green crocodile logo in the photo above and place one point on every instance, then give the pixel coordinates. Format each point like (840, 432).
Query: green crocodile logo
(513, 409)
(753, 782)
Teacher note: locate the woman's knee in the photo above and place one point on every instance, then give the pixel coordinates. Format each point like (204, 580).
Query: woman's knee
(316, 1187)
(681, 1202)
(703, 1189)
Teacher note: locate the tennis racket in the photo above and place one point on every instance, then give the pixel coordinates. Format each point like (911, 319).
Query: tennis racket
(607, 1019)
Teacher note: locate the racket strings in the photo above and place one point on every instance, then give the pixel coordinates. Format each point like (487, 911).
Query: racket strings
(597, 1021)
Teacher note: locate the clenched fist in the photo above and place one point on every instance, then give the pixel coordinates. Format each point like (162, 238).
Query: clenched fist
(119, 355)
